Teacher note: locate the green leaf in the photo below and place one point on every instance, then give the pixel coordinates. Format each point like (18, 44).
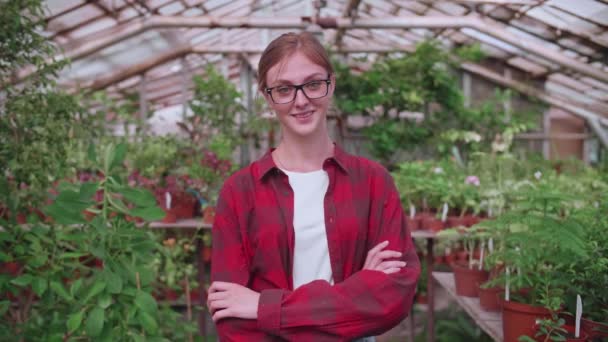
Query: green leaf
(109, 155)
(91, 154)
(74, 321)
(60, 291)
(97, 287)
(119, 155)
(76, 285)
(139, 197)
(145, 302)
(105, 301)
(149, 213)
(39, 285)
(138, 338)
(88, 190)
(114, 282)
(4, 305)
(94, 323)
(148, 322)
(63, 216)
(23, 280)
(70, 255)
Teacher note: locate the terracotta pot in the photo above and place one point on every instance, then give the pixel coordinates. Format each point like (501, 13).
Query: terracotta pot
(455, 221)
(468, 280)
(491, 299)
(422, 298)
(169, 294)
(438, 260)
(471, 220)
(595, 329)
(450, 258)
(12, 268)
(412, 223)
(519, 319)
(462, 256)
(433, 224)
(208, 215)
(206, 253)
(169, 216)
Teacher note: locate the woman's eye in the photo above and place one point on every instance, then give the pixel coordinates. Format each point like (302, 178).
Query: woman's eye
(313, 85)
(283, 90)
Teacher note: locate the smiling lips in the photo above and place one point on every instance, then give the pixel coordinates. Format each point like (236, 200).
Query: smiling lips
(303, 115)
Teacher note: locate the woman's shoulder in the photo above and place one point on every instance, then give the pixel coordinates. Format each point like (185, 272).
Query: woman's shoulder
(364, 166)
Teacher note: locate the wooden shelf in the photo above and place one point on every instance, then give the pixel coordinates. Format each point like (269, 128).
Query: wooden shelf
(424, 234)
(490, 322)
(193, 223)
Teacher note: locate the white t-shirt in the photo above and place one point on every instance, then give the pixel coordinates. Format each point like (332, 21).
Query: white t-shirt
(311, 254)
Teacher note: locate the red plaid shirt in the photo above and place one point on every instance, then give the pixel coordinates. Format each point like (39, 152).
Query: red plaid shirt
(253, 244)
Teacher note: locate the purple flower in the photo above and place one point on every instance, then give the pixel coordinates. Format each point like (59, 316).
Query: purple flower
(473, 180)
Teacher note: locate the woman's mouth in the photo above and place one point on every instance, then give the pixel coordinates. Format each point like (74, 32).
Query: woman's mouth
(303, 115)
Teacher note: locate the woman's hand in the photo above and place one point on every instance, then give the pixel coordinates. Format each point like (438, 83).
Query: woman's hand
(378, 260)
(232, 300)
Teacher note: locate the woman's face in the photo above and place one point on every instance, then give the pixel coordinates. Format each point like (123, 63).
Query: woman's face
(303, 116)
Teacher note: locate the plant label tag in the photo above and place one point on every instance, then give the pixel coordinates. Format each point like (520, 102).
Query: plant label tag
(483, 247)
(412, 211)
(168, 200)
(444, 214)
(491, 245)
(507, 294)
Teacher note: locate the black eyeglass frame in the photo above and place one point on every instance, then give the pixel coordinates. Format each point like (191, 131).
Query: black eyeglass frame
(300, 87)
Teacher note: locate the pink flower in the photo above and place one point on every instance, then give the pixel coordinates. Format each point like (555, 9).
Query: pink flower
(473, 180)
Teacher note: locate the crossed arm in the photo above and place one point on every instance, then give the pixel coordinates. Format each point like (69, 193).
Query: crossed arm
(233, 300)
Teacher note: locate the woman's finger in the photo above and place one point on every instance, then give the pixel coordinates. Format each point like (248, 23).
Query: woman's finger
(221, 314)
(371, 253)
(392, 270)
(217, 296)
(383, 255)
(390, 264)
(371, 260)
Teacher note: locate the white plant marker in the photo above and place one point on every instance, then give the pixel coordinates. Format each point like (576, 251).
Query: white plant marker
(412, 211)
(444, 214)
(491, 246)
(167, 200)
(507, 290)
(483, 247)
(579, 313)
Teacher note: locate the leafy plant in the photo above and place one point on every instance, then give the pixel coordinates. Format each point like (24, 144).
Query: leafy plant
(84, 279)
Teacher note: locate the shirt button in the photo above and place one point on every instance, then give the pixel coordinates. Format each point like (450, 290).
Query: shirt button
(331, 220)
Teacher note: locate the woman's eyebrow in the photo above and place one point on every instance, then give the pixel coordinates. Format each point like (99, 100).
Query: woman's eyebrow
(315, 76)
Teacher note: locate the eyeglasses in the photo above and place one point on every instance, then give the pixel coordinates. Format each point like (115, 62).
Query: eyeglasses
(287, 93)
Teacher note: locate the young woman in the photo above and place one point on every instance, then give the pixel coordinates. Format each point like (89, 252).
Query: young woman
(309, 242)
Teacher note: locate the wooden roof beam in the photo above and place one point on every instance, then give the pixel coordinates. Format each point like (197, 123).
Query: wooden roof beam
(349, 12)
(98, 41)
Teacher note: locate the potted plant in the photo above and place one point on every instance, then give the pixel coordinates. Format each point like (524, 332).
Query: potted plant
(539, 243)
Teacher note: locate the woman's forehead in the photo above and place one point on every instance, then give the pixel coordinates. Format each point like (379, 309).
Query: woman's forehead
(295, 68)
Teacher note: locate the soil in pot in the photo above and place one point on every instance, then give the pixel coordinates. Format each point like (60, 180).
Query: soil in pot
(519, 319)
(468, 280)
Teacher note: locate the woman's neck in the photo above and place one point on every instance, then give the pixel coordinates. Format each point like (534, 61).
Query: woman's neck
(303, 155)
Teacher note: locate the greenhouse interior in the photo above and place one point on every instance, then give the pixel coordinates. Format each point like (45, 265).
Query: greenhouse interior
(129, 129)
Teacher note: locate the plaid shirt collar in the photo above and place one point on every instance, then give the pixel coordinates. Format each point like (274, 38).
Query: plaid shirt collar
(266, 163)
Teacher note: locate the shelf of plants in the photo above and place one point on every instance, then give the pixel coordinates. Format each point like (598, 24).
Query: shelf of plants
(542, 237)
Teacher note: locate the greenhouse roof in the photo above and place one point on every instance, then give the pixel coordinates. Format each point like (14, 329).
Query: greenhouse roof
(154, 46)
